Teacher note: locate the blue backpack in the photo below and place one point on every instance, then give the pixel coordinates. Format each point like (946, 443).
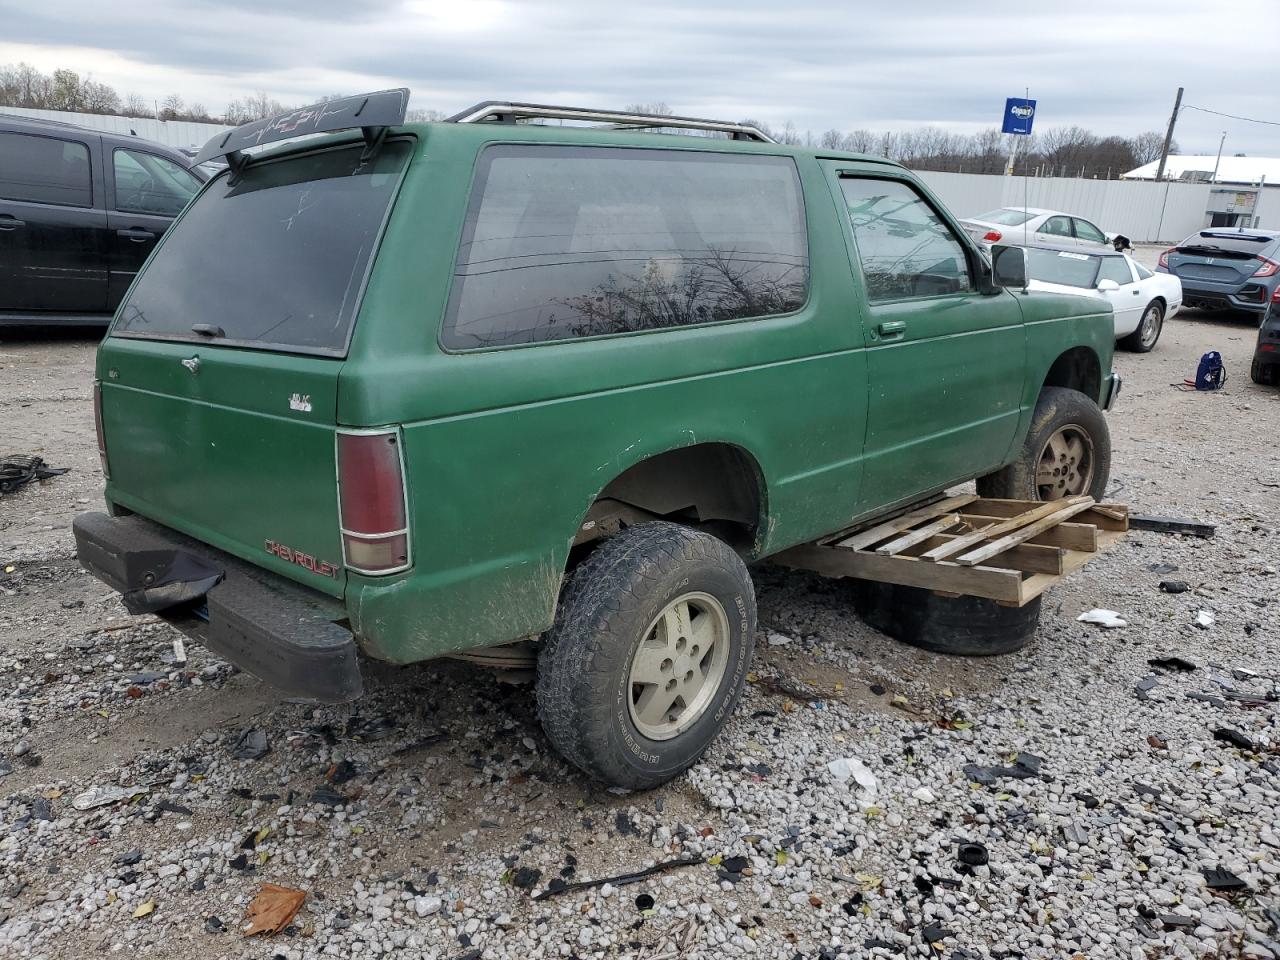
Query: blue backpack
(1211, 374)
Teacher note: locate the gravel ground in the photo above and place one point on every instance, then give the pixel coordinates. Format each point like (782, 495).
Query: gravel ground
(428, 819)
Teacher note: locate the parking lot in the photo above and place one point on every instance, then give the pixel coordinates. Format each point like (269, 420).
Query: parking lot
(429, 818)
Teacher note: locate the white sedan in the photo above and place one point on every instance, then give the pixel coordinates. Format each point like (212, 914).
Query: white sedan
(1142, 300)
(1035, 226)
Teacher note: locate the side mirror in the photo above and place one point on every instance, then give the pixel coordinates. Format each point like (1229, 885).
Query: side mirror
(1107, 286)
(1009, 266)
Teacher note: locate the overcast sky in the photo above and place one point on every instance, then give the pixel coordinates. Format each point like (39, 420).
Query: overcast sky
(1107, 65)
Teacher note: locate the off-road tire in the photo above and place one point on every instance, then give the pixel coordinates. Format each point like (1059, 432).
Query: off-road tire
(1137, 342)
(960, 626)
(1057, 407)
(1263, 373)
(584, 663)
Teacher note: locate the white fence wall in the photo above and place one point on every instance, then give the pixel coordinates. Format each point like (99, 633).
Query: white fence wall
(179, 134)
(1142, 210)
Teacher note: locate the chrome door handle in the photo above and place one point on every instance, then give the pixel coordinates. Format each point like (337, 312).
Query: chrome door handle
(892, 329)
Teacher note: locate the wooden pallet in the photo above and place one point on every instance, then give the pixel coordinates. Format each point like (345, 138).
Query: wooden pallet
(1009, 551)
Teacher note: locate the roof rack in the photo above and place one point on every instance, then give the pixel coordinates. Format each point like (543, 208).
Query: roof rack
(495, 111)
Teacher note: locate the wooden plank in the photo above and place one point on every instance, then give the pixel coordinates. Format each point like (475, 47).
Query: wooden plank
(919, 534)
(1022, 534)
(990, 582)
(961, 544)
(1191, 528)
(866, 538)
(1069, 536)
(1028, 557)
(1004, 509)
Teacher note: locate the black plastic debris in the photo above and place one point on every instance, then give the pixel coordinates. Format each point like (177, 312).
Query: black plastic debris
(1162, 568)
(328, 796)
(973, 854)
(147, 676)
(624, 825)
(1208, 698)
(370, 728)
(1174, 586)
(1025, 766)
(214, 925)
(41, 809)
(1089, 800)
(1219, 878)
(924, 885)
(557, 886)
(873, 943)
(1144, 687)
(644, 902)
(343, 771)
(1173, 921)
(935, 932)
(877, 689)
(19, 469)
(1172, 663)
(525, 878)
(1235, 738)
(252, 745)
(239, 862)
(168, 806)
(6, 767)
(128, 859)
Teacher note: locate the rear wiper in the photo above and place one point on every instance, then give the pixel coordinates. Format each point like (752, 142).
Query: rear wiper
(207, 330)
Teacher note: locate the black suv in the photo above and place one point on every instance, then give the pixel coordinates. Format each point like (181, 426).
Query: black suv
(79, 212)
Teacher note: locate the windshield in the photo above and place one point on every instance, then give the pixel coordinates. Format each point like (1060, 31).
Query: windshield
(1060, 266)
(1006, 217)
(277, 260)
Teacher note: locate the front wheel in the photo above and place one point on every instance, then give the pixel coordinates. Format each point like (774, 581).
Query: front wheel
(1149, 328)
(1067, 452)
(648, 654)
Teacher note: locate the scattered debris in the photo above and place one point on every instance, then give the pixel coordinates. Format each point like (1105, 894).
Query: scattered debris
(619, 881)
(1143, 687)
(1235, 738)
(1174, 586)
(1204, 620)
(1157, 742)
(935, 932)
(779, 640)
(105, 796)
(973, 854)
(273, 909)
(1108, 619)
(844, 769)
(144, 909)
(1172, 663)
(252, 745)
(1162, 568)
(1220, 878)
(1190, 528)
(1025, 766)
(17, 470)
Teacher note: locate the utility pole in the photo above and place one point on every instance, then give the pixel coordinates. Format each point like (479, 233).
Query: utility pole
(1168, 137)
(1217, 163)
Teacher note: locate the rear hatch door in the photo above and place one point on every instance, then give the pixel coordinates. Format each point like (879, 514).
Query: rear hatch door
(220, 375)
(1220, 258)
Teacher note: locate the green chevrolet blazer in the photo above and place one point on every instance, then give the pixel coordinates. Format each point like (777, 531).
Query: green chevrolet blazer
(539, 394)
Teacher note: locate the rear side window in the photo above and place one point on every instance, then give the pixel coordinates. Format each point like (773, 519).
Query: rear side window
(277, 260)
(564, 242)
(45, 170)
(146, 183)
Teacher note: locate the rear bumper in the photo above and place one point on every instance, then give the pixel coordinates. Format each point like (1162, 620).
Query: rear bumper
(270, 627)
(1206, 295)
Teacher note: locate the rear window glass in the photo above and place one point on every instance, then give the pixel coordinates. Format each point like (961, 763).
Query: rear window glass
(277, 260)
(1231, 243)
(45, 170)
(1005, 217)
(564, 242)
(1069, 269)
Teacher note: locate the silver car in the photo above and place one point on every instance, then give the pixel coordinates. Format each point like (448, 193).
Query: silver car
(1034, 226)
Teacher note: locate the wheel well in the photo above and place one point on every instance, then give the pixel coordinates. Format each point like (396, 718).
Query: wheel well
(714, 486)
(1077, 369)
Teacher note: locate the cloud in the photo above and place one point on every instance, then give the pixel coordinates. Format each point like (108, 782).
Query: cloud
(1102, 64)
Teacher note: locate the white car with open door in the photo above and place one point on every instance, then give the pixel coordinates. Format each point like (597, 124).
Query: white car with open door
(1142, 300)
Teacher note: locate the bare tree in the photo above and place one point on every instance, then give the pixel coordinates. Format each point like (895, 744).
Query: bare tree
(134, 106)
(99, 98)
(1148, 146)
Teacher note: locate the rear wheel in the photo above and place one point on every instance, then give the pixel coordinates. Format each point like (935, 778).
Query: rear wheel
(1149, 328)
(1067, 452)
(645, 663)
(1263, 373)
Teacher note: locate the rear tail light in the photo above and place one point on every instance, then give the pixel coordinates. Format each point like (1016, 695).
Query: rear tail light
(1268, 268)
(97, 426)
(371, 502)
(1164, 257)
(993, 236)
(1275, 297)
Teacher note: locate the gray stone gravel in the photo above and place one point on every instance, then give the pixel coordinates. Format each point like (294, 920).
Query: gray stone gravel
(424, 820)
